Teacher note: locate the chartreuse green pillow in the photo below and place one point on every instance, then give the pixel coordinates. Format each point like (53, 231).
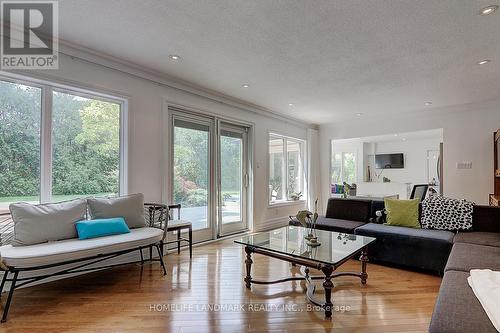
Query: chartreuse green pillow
(403, 213)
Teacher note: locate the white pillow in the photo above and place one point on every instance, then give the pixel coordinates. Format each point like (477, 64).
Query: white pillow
(130, 207)
(34, 224)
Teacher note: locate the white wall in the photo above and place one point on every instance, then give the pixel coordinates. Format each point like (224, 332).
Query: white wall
(415, 156)
(146, 99)
(467, 136)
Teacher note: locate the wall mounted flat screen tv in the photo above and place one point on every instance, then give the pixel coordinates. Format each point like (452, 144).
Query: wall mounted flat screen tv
(389, 161)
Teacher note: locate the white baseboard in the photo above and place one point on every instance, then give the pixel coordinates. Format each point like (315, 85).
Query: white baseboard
(273, 223)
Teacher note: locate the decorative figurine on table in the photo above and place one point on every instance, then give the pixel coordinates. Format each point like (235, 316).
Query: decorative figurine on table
(308, 220)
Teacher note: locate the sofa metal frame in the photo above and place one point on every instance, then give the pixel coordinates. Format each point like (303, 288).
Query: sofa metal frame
(156, 216)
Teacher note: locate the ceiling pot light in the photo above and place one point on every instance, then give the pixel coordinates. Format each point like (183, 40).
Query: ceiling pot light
(290, 104)
(484, 62)
(396, 134)
(246, 85)
(359, 114)
(174, 57)
(488, 10)
(404, 139)
(428, 103)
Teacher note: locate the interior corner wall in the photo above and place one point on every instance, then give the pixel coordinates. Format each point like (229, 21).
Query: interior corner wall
(313, 170)
(145, 104)
(467, 137)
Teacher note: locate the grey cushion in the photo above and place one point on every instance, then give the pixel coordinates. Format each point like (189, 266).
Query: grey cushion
(349, 209)
(130, 207)
(421, 248)
(34, 224)
(457, 309)
(410, 233)
(464, 257)
(338, 225)
(479, 238)
(71, 249)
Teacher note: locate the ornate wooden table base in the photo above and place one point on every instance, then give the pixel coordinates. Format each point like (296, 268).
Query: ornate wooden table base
(328, 271)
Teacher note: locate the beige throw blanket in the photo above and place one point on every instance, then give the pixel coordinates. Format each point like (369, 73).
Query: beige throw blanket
(486, 286)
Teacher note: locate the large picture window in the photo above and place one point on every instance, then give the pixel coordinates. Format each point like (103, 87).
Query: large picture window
(20, 124)
(286, 169)
(83, 132)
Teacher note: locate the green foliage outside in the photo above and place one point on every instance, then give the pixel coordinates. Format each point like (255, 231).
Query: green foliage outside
(85, 139)
(191, 167)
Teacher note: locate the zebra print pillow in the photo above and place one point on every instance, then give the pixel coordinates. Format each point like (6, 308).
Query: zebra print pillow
(446, 214)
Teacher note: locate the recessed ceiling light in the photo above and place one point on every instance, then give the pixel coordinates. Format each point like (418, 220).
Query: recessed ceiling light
(246, 85)
(396, 134)
(174, 57)
(428, 103)
(359, 114)
(404, 139)
(488, 10)
(290, 104)
(484, 62)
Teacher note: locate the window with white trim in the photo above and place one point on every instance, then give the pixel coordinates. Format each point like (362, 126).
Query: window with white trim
(343, 167)
(58, 143)
(286, 169)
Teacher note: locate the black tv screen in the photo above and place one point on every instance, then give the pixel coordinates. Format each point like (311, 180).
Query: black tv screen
(389, 161)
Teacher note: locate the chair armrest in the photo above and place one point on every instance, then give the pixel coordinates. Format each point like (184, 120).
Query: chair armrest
(175, 206)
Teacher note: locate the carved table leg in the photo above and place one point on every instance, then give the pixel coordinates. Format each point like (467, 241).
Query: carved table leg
(328, 286)
(364, 261)
(248, 262)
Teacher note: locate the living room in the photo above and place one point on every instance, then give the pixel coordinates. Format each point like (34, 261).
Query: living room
(170, 165)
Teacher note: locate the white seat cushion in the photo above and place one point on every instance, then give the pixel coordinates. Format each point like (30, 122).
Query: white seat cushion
(178, 223)
(71, 249)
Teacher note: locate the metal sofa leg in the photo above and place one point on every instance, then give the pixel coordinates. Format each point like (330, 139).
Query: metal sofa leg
(9, 299)
(161, 259)
(3, 282)
(179, 241)
(162, 248)
(190, 242)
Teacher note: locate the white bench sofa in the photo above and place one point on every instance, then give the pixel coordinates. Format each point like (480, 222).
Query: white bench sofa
(76, 256)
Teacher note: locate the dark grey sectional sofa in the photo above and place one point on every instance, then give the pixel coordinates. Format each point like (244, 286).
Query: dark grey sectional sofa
(419, 248)
(452, 254)
(457, 308)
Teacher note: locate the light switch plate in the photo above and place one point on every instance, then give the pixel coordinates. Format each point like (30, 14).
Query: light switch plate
(464, 165)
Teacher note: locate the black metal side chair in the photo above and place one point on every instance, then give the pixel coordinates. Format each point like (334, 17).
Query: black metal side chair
(419, 191)
(179, 225)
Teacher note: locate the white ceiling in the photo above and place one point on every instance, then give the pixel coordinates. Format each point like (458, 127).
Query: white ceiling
(331, 58)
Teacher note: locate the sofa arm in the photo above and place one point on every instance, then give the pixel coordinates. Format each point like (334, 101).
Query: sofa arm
(486, 218)
(157, 216)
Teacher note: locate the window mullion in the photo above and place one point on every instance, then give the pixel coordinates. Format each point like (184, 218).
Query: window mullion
(46, 146)
(285, 170)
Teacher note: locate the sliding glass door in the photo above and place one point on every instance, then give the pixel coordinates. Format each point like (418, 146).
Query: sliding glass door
(192, 181)
(233, 178)
(209, 176)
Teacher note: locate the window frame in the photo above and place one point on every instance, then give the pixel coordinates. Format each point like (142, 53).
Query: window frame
(284, 169)
(342, 152)
(46, 152)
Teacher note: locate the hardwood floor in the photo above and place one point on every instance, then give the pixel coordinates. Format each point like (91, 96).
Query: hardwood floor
(133, 299)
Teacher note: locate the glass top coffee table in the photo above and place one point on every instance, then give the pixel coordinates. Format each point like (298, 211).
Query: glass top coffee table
(289, 244)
